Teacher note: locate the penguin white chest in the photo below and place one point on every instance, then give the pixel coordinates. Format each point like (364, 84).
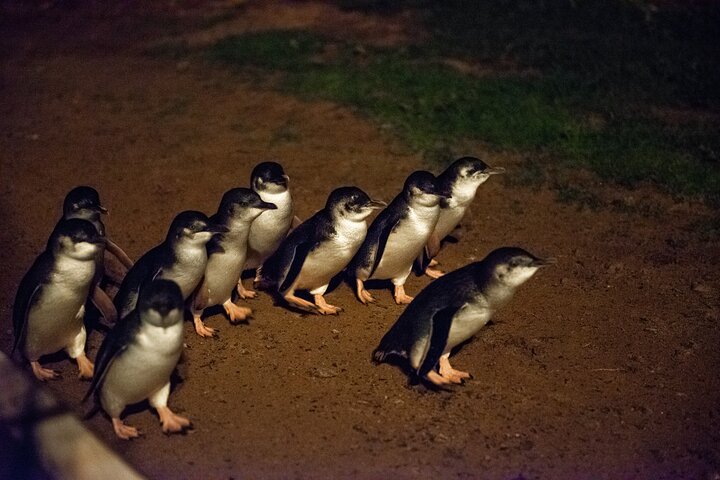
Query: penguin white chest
(332, 255)
(224, 268)
(270, 228)
(188, 269)
(406, 242)
(143, 368)
(56, 318)
(467, 322)
(449, 218)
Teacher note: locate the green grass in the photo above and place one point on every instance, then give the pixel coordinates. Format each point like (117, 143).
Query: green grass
(604, 66)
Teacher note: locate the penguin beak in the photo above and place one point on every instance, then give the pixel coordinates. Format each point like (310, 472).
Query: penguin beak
(543, 262)
(287, 178)
(494, 171)
(376, 204)
(267, 206)
(103, 210)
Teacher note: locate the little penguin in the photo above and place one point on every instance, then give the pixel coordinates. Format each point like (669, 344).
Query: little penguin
(227, 253)
(50, 302)
(320, 248)
(138, 356)
(462, 179)
(397, 236)
(268, 179)
(84, 202)
(182, 258)
(452, 309)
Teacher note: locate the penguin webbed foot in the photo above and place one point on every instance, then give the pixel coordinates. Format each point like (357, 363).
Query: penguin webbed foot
(244, 293)
(433, 273)
(42, 373)
(300, 303)
(235, 313)
(325, 308)
(123, 431)
(401, 298)
(363, 295)
(172, 422)
(202, 329)
(449, 373)
(86, 367)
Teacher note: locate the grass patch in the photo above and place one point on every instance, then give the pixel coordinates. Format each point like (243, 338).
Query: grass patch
(588, 107)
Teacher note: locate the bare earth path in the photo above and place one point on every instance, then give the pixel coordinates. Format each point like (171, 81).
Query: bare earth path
(604, 366)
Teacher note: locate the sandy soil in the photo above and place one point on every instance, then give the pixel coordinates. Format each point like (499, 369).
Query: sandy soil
(604, 366)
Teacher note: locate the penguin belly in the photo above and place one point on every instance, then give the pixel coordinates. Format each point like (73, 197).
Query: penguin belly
(188, 271)
(269, 229)
(449, 219)
(222, 274)
(143, 368)
(403, 246)
(331, 256)
(55, 319)
(466, 323)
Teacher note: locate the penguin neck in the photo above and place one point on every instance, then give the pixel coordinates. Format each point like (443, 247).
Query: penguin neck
(184, 248)
(75, 272)
(463, 191)
(498, 293)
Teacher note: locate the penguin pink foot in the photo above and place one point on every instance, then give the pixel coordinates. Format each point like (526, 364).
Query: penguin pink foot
(300, 303)
(202, 329)
(43, 374)
(401, 298)
(126, 432)
(363, 295)
(244, 292)
(172, 422)
(236, 313)
(325, 308)
(85, 366)
(449, 373)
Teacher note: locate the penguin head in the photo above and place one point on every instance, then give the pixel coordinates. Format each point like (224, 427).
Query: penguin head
(422, 188)
(242, 204)
(161, 303)
(351, 203)
(269, 177)
(513, 266)
(76, 238)
(193, 227)
(83, 202)
(469, 170)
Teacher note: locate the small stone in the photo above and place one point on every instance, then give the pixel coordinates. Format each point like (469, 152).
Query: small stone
(322, 372)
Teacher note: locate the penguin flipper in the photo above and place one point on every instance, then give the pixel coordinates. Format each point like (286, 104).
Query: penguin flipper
(27, 294)
(116, 342)
(381, 238)
(300, 253)
(119, 253)
(440, 329)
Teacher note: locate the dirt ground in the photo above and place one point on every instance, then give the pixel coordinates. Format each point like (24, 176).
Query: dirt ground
(604, 366)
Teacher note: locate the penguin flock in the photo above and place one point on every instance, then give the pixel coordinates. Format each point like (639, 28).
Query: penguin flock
(200, 264)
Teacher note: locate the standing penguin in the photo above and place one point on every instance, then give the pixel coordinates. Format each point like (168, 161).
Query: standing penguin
(454, 308)
(182, 258)
(50, 302)
(138, 356)
(84, 202)
(319, 249)
(227, 252)
(270, 182)
(462, 179)
(397, 236)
